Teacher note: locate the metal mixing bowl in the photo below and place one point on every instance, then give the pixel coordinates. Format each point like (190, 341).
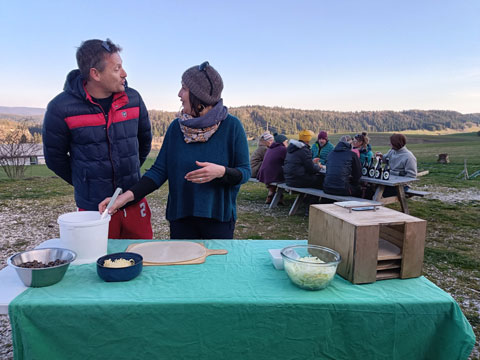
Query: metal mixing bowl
(38, 277)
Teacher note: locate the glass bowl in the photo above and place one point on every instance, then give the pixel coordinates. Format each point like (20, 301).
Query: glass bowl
(310, 267)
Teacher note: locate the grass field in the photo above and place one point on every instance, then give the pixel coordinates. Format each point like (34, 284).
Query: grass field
(453, 232)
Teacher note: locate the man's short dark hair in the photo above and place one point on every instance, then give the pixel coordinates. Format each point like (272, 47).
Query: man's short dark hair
(93, 53)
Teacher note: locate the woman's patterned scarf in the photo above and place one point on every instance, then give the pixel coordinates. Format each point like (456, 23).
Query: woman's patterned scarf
(202, 128)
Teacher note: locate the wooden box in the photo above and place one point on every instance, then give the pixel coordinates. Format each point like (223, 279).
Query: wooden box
(374, 245)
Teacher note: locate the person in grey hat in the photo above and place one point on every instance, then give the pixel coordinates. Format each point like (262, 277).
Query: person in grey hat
(204, 157)
(257, 157)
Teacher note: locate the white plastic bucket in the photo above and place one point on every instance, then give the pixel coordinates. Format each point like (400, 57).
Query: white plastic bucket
(85, 233)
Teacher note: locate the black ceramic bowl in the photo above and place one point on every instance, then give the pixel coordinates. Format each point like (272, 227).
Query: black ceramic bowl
(123, 273)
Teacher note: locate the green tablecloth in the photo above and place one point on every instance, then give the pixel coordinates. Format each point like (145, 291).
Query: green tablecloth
(235, 306)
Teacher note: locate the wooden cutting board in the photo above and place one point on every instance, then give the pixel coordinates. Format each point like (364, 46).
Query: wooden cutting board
(173, 252)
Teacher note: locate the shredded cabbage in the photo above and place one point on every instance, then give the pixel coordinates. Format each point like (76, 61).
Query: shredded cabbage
(310, 276)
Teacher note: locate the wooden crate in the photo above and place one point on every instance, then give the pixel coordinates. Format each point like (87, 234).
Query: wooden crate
(374, 245)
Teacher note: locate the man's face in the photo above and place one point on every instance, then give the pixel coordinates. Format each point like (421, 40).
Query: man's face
(112, 78)
(322, 142)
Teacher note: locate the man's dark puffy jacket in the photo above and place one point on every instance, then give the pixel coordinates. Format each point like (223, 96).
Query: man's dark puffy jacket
(299, 169)
(93, 151)
(343, 171)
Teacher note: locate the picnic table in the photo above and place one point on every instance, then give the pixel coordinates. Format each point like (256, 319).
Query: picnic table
(398, 182)
(235, 306)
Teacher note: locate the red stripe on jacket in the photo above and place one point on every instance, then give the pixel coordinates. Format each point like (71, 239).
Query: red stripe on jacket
(74, 122)
(126, 114)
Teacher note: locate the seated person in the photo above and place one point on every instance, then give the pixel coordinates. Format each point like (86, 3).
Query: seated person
(257, 157)
(361, 143)
(401, 160)
(271, 169)
(321, 148)
(343, 170)
(299, 169)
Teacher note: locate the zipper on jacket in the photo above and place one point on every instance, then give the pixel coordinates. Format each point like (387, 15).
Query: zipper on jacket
(108, 138)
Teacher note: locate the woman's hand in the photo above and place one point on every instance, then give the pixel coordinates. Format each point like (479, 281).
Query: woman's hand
(207, 172)
(121, 200)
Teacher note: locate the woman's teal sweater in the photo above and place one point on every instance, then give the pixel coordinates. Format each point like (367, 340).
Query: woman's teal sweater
(228, 147)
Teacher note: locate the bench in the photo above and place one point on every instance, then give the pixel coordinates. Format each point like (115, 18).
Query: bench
(411, 192)
(302, 192)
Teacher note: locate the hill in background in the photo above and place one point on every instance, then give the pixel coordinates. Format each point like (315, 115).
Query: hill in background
(256, 119)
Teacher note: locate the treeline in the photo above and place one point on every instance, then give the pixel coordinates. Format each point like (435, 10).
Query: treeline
(256, 119)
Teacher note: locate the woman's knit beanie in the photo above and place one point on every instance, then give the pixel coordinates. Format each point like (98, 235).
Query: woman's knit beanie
(204, 82)
(305, 136)
(279, 138)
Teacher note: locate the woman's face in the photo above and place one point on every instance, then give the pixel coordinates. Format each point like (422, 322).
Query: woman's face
(357, 143)
(184, 95)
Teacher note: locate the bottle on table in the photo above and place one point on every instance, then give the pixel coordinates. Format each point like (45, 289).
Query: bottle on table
(386, 171)
(371, 169)
(378, 169)
(365, 167)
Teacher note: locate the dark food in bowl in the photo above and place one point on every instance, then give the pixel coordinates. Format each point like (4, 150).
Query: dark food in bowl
(38, 264)
(34, 269)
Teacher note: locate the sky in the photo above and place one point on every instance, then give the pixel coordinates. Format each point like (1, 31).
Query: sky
(342, 55)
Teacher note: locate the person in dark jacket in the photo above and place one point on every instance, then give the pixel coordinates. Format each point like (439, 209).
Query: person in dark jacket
(271, 169)
(299, 169)
(204, 157)
(343, 170)
(97, 134)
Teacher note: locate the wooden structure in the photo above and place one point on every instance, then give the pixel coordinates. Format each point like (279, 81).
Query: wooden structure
(443, 159)
(384, 244)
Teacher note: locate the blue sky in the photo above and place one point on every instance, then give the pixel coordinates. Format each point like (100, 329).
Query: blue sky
(327, 55)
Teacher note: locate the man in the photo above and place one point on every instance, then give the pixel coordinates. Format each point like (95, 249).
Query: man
(321, 148)
(96, 135)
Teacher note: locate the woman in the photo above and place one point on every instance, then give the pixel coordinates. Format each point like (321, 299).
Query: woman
(321, 148)
(361, 143)
(402, 162)
(204, 157)
(343, 170)
(257, 157)
(271, 169)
